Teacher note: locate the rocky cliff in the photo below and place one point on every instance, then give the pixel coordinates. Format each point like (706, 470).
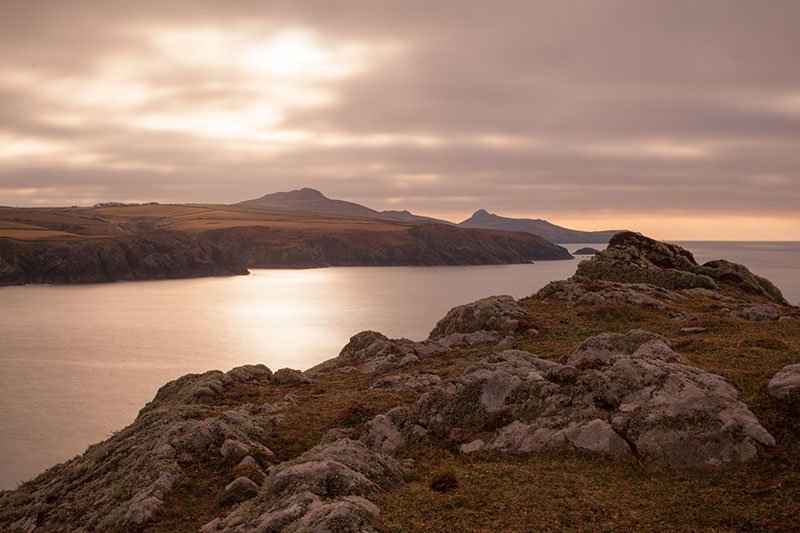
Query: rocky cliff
(232, 250)
(416, 246)
(594, 404)
(113, 259)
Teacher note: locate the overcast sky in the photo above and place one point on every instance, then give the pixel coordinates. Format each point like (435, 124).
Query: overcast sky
(677, 118)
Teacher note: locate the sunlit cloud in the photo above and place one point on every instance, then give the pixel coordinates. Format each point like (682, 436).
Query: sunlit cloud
(658, 149)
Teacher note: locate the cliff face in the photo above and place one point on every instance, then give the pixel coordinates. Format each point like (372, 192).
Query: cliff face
(418, 246)
(138, 242)
(116, 259)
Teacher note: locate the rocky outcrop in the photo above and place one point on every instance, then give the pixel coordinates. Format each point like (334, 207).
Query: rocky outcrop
(332, 487)
(411, 382)
(599, 349)
(290, 376)
(371, 352)
(785, 385)
(122, 482)
(496, 313)
(634, 258)
(605, 292)
(625, 395)
(740, 277)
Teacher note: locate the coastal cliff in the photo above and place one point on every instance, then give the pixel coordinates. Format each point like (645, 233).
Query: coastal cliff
(638, 394)
(232, 251)
(113, 259)
(426, 245)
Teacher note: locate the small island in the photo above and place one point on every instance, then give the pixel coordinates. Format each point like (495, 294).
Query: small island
(586, 251)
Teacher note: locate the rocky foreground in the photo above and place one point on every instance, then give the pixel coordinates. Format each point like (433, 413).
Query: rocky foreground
(645, 392)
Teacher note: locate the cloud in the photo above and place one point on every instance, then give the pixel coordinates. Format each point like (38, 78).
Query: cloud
(534, 108)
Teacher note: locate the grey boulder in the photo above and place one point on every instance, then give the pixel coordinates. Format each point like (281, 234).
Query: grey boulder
(785, 385)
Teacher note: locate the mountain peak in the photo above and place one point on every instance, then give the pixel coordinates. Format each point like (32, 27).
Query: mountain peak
(483, 219)
(306, 193)
(311, 200)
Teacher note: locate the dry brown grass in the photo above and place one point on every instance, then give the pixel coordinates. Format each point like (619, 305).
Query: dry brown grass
(36, 224)
(33, 234)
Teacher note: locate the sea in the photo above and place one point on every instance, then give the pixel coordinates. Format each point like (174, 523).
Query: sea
(78, 362)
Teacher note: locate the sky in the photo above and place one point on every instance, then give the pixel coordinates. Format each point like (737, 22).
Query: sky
(677, 118)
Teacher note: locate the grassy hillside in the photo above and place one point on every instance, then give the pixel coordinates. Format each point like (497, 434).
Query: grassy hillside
(84, 222)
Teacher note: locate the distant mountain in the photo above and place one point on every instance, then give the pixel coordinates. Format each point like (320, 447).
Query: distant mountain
(543, 228)
(312, 200)
(411, 217)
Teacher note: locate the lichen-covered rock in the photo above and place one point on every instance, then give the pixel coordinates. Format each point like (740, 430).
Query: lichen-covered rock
(604, 292)
(234, 450)
(258, 374)
(242, 484)
(634, 258)
(785, 385)
(370, 352)
(490, 320)
(329, 488)
(741, 277)
(370, 344)
(496, 313)
(147, 501)
(290, 376)
(633, 399)
(757, 312)
(413, 382)
(383, 434)
(121, 483)
(600, 348)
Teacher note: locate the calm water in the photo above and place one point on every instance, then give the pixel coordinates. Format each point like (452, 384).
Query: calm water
(78, 362)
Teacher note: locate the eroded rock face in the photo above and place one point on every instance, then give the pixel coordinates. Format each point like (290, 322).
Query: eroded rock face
(496, 313)
(632, 399)
(121, 483)
(329, 488)
(785, 385)
(163, 256)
